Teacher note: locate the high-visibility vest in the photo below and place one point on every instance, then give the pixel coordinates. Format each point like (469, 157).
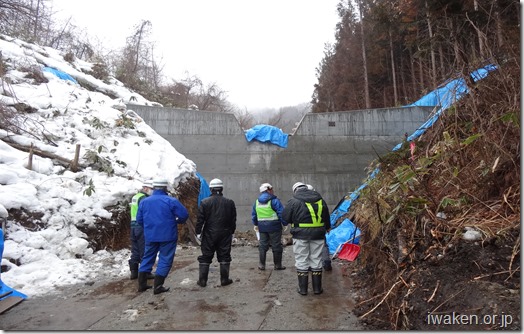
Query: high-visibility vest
(134, 205)
(315, 216)
(265, 212)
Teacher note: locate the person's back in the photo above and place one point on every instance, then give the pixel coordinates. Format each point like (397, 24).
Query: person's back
(137, 231)
(160, 215)
(266, 215)
(308, 215)
(216, 224)
(298, 214)
(219, 213)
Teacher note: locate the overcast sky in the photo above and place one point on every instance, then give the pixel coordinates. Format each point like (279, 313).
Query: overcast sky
(263, 53)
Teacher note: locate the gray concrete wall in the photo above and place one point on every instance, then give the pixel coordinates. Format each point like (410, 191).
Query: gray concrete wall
(328, 150)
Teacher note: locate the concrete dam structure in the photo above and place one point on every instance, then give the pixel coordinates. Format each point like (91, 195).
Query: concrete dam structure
(327, 150)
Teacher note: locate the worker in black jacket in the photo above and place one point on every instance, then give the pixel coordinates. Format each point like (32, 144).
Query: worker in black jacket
(215, 227)
(308, 215)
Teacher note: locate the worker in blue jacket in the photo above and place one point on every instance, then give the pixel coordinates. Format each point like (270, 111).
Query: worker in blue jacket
(160, 215)
(267, 218)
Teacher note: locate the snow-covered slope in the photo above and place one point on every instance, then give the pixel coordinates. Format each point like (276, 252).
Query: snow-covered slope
(117, 152)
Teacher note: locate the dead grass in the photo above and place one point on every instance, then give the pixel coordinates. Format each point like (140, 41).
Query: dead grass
(465, 172)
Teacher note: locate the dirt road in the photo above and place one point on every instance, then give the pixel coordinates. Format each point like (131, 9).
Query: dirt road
(257, 300)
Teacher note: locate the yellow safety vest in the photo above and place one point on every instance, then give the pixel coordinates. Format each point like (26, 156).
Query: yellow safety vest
(134, 205)
(265, 212)
(315, 217)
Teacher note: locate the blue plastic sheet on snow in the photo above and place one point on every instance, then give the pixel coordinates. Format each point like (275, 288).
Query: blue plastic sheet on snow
(442, 97)
(267, 134)
(204, 191)
(6, 291)
(60, 74)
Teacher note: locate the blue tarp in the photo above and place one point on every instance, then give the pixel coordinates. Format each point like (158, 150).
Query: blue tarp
(442, 97)
(267, 133)
(204, 191)
(345, 232)
(60, 74)
(4, 288)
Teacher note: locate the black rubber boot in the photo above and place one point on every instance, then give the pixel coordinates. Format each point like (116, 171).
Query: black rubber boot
(142, 282)
(134, 271)
(224, 274)
(203, 272)
(316, 280)
(159, 287)
(277, 260)
(150, 276)
(327, 265)
(261, 260)
(303, 276)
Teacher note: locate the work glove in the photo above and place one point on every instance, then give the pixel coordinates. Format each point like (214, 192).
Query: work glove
(255, 228)
(199, 237)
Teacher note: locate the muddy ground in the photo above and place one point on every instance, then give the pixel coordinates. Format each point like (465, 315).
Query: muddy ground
(470, 288)
(257, 300)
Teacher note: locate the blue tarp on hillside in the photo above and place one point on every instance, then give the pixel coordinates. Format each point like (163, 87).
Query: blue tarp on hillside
(6, 291)
(267, 134)
(204, 191)
(60, 74)
(443, 97)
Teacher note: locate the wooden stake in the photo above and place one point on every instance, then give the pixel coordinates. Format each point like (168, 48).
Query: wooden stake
(74, 163)
(30, 160)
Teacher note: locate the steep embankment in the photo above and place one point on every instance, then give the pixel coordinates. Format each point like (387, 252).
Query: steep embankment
(441, 224)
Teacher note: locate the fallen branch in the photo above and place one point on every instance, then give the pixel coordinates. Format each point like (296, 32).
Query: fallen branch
(498, 273)
(387, 294)
(434, 292)
(444, 302)
(368, 300)
(514, 253)
(61, 160)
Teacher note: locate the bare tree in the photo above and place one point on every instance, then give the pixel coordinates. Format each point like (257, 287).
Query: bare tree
(364, 56)
(245, 119)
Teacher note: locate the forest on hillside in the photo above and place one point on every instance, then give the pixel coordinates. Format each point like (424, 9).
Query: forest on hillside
(390, 53)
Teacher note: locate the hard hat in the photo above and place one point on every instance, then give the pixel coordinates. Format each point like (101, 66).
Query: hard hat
(148, 184)
(309, 187)
(265, 186)
(216, 183)
(298, 185)
(160, 182)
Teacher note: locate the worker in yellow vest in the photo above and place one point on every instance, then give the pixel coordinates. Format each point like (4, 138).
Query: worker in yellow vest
(266, 215)
(308, 215)
(137, 232)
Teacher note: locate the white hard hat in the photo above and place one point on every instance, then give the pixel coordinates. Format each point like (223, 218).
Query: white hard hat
(160, 182)
(265, 186)
(148, 184)
(310, 187)
(298, 185)
(216, 183)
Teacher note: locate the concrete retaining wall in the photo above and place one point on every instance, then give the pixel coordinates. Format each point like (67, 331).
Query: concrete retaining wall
(328, 150)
